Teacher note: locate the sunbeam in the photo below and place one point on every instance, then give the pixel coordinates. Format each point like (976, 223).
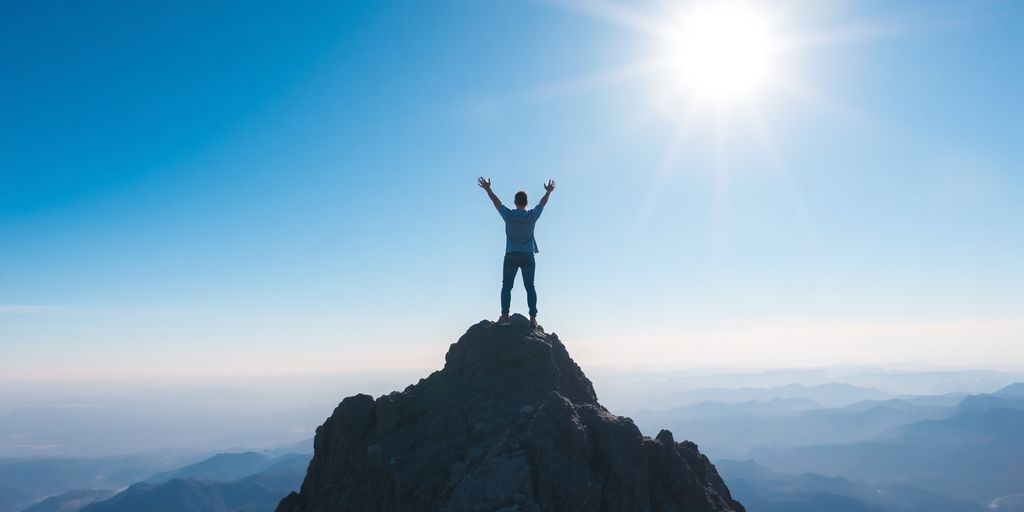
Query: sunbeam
(717, 71)
(719, 63)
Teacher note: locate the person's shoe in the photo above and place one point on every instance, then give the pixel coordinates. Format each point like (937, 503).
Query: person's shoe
(503, 320)
(533, 322)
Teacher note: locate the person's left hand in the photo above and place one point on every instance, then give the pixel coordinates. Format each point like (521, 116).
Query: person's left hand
(550, 185)
(484, 183)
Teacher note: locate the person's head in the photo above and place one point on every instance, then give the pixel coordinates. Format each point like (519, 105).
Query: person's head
(521, 199)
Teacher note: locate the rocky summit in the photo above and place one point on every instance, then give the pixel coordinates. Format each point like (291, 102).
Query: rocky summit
(510, 423)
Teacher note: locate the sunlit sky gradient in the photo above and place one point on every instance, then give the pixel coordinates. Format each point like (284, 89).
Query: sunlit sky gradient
(190, 188)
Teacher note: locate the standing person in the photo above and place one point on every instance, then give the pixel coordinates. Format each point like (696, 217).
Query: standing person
(520, 246)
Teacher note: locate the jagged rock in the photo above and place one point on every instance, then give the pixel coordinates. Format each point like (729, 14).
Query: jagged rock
(510, 423)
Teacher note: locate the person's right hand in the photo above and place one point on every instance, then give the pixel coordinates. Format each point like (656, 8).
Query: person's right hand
(550, 185)
(484, 183)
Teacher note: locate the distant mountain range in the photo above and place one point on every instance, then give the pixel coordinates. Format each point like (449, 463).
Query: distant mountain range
(638, 390)
(71, 501)
(225, 482)
(931, 453)
(1015, 389)
(24, 482)
(832, 395)
(762, 490)
(732, 429)
(975, 453)
(257, 493)
(968, 448)
(225, 467)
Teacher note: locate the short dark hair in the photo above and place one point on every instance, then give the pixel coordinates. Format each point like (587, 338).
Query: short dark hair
(520, 198)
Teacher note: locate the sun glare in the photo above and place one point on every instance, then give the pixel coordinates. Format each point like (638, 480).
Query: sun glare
(722, 52)
(714, 71)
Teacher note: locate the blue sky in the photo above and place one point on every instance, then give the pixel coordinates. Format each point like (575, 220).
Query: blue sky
(264, 187)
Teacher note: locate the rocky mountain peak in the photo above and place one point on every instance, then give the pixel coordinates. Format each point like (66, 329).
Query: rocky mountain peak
(510, 423)
(515, 362)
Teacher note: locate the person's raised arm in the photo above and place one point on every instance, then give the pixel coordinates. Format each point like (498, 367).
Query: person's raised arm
(486, 185)
(548, 188)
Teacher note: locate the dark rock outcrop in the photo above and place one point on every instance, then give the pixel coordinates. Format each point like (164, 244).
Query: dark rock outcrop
(510, 424)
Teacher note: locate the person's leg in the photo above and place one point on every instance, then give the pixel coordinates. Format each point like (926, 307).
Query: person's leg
(529, 270)
(508, 277)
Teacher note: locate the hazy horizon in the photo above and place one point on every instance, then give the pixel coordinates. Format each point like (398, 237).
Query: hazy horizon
(209, 414)
(818, 343)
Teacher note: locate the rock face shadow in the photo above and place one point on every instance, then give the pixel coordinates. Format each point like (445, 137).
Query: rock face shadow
(510, 423)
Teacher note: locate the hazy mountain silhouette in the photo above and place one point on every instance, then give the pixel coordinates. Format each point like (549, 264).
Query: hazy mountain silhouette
(975, 453)
(304, 446)
(71, 501)
(259, 492)
(980, 403)
(766, 491)
(509, 423)
(632, 390)
(1015, 389)
(731, 429)
(211, 482)
(24, 482)
(832, 394)
(256, 493)
(222, 467)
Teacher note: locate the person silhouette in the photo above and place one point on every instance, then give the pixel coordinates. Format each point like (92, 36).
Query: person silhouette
(520, 246)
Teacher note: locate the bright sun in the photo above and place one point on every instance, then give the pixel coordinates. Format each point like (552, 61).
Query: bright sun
(723, 52)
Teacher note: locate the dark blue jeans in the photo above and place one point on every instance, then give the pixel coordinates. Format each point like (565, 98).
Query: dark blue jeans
(513, 262)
